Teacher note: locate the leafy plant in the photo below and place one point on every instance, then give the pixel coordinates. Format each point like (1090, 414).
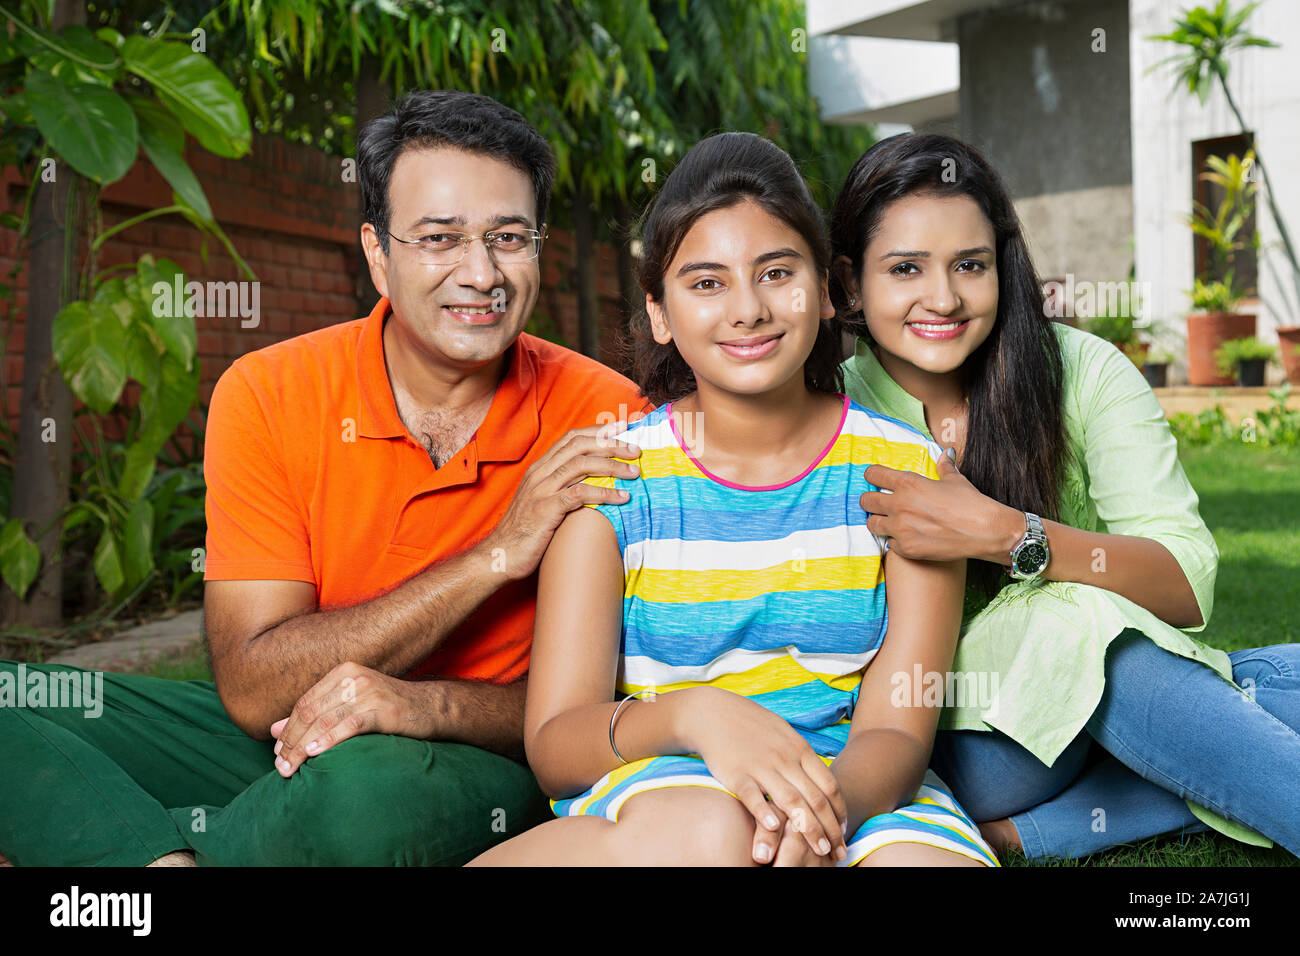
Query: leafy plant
(1222, 228)
(91, 102)
(1275, 426)
(1229, 356)
(100, 345)
(1208, 36)
(1219, 296)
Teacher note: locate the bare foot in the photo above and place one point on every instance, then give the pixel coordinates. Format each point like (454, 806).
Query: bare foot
(3, 861)
(175, 858)
(1000, 834)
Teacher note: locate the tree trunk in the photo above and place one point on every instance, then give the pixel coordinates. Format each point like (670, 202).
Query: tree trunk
(43, 463)
(584, 242)
(372, 102)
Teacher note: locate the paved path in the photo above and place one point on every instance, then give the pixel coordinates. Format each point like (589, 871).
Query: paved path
(133, 649)
(1238, 403)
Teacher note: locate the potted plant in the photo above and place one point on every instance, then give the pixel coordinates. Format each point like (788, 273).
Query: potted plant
(1214, 321)
(1245, 358)
(1288, 337)
(1155, 367)
(1135, 351)
(1206, 38)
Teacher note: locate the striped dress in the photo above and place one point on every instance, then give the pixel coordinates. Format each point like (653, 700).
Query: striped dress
(773, 592)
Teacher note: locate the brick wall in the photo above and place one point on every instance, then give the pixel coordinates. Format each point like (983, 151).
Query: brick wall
(295, 222)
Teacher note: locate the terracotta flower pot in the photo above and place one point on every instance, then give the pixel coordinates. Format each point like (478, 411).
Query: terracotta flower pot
(1205, 333)
(1288, 339)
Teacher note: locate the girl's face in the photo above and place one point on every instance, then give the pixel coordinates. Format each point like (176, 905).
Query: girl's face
(742, 301)
(929, 281)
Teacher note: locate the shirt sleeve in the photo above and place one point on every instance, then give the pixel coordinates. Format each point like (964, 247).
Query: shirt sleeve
(919, 456)
(614, 513)
(927, 463)
(617, 401)
(256, 527)
(1135, 479)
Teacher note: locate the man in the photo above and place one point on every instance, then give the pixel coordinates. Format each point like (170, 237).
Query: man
(380, 494)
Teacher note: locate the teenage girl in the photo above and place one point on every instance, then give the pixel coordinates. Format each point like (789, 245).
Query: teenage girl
(722, 665)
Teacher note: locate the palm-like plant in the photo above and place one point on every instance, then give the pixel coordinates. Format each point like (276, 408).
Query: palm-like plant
(1209, 37)
(1222, 227)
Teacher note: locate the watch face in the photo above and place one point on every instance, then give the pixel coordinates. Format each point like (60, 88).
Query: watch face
(1032, 558)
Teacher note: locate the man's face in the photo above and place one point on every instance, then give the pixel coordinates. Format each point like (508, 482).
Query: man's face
(447, 190)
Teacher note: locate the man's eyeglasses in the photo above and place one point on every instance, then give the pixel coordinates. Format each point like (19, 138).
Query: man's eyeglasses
(444, 248)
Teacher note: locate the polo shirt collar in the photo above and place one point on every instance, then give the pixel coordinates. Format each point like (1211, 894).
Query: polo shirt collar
(881, 393)
(512, 423)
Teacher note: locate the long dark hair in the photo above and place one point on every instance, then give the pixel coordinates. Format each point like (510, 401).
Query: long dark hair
(1016, 448)
(719, 172)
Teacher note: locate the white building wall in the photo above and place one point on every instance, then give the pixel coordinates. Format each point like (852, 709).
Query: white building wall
(1265, 84)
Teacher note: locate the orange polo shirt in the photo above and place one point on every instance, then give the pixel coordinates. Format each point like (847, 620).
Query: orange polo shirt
(313, 477)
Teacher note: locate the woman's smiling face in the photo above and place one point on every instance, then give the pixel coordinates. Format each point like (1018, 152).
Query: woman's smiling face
(742, 301)
(929, 281)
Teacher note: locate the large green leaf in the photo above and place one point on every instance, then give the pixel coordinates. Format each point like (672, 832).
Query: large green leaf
(74, 43)
(91, 127)
(16, 109)
(20, 558)
(177, 330)
(90, 347)
(195, 90)
(114, 293)
(163, 139)
(137, 543)
(75, 53)
(142, 352)
(108, 563)
(138, 467)
(166, 401)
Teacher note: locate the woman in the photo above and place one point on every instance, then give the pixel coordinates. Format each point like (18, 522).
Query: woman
(1067, 463)
(739, 583)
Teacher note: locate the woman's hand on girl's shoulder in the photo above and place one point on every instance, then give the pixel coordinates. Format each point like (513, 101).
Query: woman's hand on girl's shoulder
(756, 754)
(943, 520)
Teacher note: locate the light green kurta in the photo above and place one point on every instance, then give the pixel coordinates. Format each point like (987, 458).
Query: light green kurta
(1039, 647)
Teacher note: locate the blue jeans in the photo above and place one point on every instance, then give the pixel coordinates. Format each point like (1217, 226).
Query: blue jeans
(1167, 728)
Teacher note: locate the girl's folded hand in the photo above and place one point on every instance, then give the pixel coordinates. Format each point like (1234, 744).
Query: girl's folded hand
(794, 850)
(755, 754)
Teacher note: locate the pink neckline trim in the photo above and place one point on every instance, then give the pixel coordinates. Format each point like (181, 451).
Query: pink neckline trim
(844, 414)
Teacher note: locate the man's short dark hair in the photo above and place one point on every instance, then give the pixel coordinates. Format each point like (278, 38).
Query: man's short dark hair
(428, 119)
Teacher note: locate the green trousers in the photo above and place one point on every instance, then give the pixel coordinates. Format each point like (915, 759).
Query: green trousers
(160, 767)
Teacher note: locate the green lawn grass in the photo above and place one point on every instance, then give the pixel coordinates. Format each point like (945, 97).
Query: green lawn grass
(1250, 498)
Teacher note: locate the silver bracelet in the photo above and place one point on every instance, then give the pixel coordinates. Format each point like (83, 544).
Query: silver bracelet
(614, 716)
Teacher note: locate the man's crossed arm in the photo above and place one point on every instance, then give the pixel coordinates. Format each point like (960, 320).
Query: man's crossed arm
(312, 678)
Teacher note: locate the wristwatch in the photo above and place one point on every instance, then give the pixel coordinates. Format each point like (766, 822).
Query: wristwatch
(1030, 556)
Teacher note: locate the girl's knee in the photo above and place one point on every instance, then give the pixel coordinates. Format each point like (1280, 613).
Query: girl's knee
(917, 854)
(690, 826)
